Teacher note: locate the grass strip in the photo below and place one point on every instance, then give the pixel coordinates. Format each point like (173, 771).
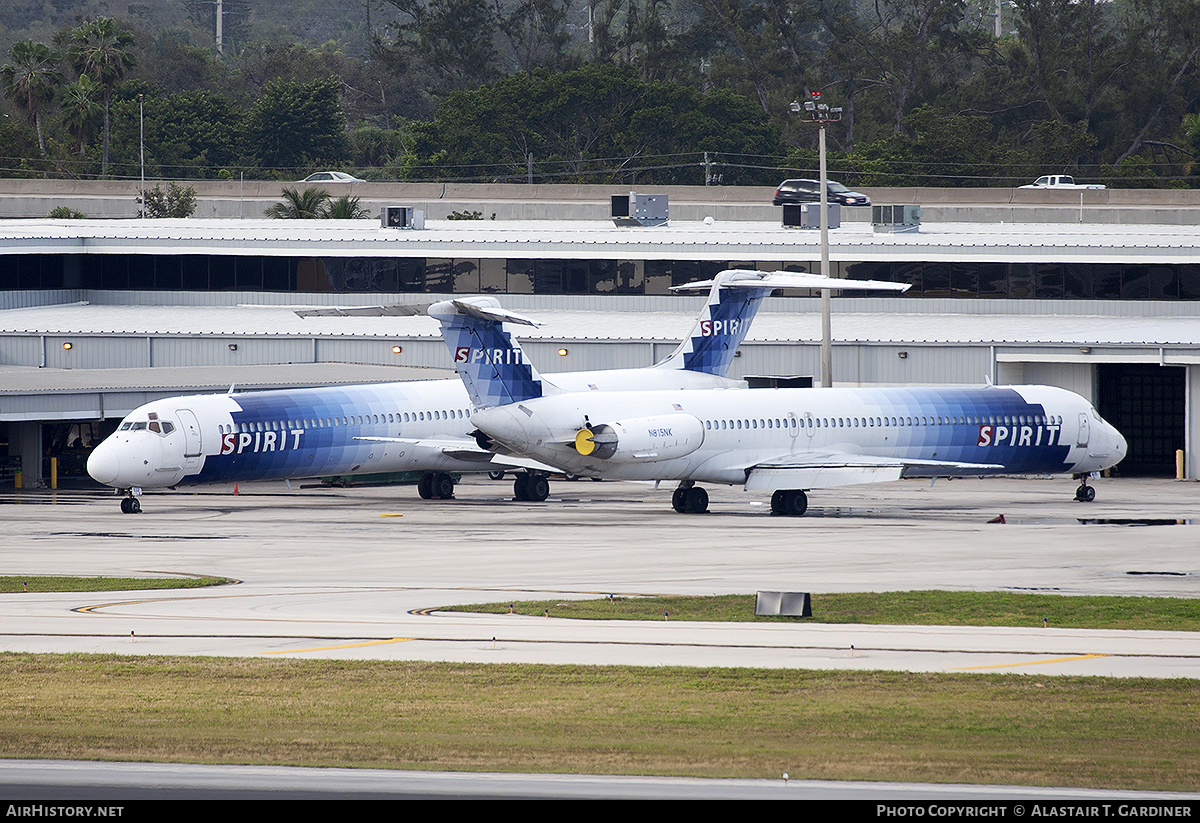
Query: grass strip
(913, 608)
(105, 584)
(971, 728)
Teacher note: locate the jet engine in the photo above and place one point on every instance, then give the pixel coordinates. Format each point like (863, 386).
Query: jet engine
(661, 437)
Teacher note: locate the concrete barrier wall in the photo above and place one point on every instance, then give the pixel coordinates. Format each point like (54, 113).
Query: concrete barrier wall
(233, 199)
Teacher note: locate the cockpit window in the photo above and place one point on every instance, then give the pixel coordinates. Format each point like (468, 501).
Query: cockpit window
(159, 427)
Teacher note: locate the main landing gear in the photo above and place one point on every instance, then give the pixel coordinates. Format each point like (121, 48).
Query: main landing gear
(689, 499)
(435, 485)
(531, 487)
(790, 502)
(1085, 493)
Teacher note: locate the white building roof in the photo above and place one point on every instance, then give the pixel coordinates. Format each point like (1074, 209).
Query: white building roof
(721, 240)
(905, 322)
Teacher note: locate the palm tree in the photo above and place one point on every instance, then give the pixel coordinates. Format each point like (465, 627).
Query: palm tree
(31, 81)
(101, 51)
(308, 204)
(345, 208)
(80, 110)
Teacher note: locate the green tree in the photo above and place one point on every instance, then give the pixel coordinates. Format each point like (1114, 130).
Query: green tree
(177, 201)
(102, 50)
(293, 125)
(536, 31)
(592, 123)
(344, 208)
(453, 37)
(300, 204)
(189, 134)
(82, 111)
(31, 81)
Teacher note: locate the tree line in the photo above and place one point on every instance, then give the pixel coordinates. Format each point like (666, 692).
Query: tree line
(932, 92)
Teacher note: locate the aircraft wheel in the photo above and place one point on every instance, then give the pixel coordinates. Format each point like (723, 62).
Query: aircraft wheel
(131, 505)
(1085, 494)
(521, 487)
(497, 474)
(425, 486)
(570, 477)
(443, 486)
(538, 488)
(778, 500)
(697, 500)
(796, 503)
(125, 505)
(679, 500)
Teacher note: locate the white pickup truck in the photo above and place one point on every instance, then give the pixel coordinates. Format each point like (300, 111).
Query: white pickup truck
(1060, 181)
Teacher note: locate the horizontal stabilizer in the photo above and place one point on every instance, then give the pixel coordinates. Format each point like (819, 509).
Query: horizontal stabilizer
(751, 279)
(394, 310)
(495, 313)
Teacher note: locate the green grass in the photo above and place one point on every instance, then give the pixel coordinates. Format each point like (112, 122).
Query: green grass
(940, 608)
(105, 584)
(971, 728)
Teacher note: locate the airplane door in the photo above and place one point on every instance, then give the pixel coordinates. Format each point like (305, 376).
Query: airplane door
(792, 424)
(191, 433)
(1082, 439)
(808, 424)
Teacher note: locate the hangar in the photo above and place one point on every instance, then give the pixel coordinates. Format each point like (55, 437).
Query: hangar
(98, 316)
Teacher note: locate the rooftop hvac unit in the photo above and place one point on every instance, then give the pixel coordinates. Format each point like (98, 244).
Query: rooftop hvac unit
(401, 217)
(808, 215)
(636, 209)
(896, 218)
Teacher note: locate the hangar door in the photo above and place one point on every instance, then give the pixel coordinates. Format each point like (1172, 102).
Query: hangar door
(1147, 404)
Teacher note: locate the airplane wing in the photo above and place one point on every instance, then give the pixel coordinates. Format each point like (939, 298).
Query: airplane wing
(823, 470)
(465, 449)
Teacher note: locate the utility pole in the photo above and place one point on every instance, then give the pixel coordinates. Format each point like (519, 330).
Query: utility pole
(142, 146)
(819, 113)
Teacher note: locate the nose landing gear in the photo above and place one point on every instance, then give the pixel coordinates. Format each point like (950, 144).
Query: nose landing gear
(131, 505)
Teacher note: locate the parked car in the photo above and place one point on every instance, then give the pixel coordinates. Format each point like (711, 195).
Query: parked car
(331, 177)
(809, 191)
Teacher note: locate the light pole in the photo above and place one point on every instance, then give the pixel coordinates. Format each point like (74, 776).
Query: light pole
(142, 146)
(817, 112)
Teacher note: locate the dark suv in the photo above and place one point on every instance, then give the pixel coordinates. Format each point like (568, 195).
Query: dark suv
(809, 191)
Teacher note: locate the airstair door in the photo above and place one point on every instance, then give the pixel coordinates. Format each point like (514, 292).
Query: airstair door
(191, 433)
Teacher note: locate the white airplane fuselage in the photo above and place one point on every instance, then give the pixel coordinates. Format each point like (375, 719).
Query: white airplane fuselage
(315, 432)
(809, 438)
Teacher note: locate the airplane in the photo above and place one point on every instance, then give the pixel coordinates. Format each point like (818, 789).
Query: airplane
(403, 426)
(784, 441)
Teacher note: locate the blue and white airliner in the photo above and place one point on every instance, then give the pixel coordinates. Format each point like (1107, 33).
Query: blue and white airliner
(421, 426)
(784, 441)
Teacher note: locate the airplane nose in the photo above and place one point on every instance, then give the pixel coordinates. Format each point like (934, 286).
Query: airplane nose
(103, 464)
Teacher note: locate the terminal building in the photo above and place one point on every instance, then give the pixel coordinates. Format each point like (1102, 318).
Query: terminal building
(99, 316)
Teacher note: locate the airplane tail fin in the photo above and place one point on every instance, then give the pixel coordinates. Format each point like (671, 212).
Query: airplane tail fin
(720, 328)
(491, 364)
(734, 298)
